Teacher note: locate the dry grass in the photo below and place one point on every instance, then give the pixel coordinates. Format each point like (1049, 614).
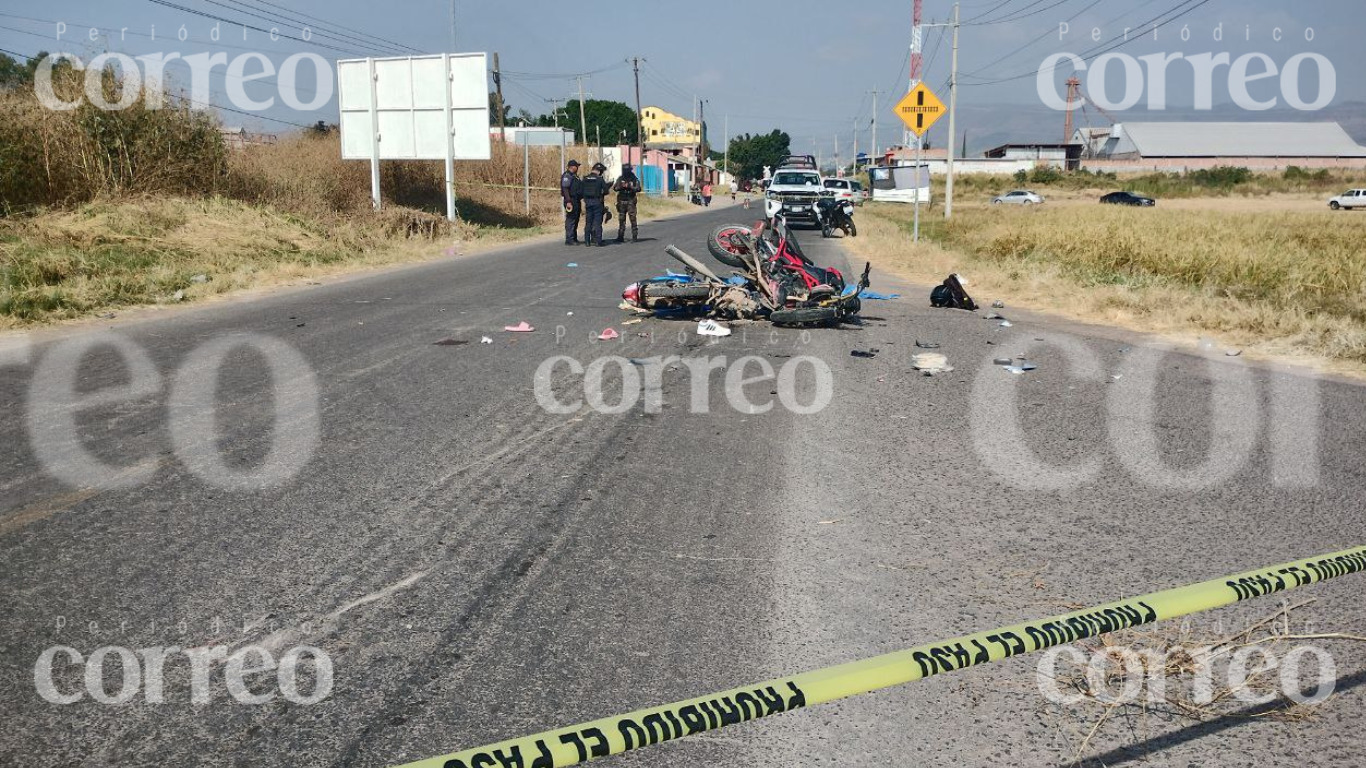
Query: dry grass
(1276, 282)
(104, 209)
(1183, 658)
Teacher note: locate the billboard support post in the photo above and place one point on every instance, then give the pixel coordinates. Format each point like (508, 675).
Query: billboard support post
(374, 134)
(450, 140)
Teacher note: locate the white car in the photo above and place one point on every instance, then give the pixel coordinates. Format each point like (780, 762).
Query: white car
(1019, 197)
(1352, 198)
(843, 189)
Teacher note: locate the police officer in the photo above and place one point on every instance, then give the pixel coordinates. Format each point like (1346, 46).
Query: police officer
(626, 188)
(594, 190)
(569, 193)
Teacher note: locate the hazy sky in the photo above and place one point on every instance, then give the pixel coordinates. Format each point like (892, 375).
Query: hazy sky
(803, 66)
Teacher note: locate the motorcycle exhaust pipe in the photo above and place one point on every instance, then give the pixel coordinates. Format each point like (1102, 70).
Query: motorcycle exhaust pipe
(691, 263)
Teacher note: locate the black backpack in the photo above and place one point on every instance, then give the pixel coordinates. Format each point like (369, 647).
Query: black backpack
(950, 294)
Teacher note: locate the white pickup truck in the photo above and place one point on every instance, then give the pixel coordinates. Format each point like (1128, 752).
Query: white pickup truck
(794, 190)
(1352, 198)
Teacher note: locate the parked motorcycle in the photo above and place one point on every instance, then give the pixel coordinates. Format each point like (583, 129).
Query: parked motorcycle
(835, 214)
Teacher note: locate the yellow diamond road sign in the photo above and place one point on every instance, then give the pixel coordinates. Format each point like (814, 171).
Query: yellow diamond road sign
(920, 109)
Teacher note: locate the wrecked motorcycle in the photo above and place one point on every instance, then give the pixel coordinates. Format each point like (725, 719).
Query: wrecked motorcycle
(773, 280)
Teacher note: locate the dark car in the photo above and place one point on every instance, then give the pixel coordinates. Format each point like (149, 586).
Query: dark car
(1127, 198)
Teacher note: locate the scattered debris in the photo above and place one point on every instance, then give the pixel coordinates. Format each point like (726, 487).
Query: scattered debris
(1233, 352)
(926, 344)
(608, 334)
(994, 316)
(930, 363)
(829, 522)
(1007, 324)
(871, 353)
(569, 314)
(998, 304)
(638, 361)
(522, 327)
(178, 296)
(1022, 367)
(485, 340)
(1117, 377)
(200, 279)
(105, 315)
(572, 264)
(300, 325)
(711, 328)
(1003, 361)
(875, 296)
(450, 343)
(632, 321)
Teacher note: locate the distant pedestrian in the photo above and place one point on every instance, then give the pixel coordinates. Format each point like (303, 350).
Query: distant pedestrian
(593, 190)
(706, 194)
(732, 192)
(626, 188)
(570, 196)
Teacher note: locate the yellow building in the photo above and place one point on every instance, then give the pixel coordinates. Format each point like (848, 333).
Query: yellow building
(664, 128)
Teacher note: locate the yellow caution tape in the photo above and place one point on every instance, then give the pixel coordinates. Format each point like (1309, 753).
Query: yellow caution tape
(653, 725)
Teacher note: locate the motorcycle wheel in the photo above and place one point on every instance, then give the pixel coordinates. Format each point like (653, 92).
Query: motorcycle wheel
(685, 291)
(826, 231)
(851, 230)
(804, 316)
(719, 240)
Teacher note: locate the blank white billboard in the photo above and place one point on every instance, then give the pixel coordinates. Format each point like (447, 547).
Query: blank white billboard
(404, 105)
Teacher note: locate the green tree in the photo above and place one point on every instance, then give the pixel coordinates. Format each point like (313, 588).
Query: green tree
(750, 153)
(13, 74)
(612, 117)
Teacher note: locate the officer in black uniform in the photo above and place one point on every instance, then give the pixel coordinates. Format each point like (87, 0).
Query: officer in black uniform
(626, 188)
(569, 193)
(594, 190)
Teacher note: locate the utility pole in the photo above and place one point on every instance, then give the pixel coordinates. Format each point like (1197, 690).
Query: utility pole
(502, 110)
(953, 114)
(555, 110)
(583, 121)
(640, 118)
(726, 162)
(874, 151)
(702, 128)
(856, 146)
(917, 61)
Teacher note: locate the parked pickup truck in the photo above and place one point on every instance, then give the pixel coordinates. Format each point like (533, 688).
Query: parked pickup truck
(1352, 198)
(794, 189)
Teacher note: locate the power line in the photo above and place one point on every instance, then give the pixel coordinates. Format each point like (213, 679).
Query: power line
(334, 24)
(193, 101)
(1020, 14)
(1122, 40)
(346, 39)
(1046, 33)
(248, 26)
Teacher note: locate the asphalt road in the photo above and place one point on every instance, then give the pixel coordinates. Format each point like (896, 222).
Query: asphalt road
(477, 567)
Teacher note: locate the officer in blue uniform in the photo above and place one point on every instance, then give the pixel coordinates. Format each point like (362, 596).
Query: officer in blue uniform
(569, 193)
(594, 190)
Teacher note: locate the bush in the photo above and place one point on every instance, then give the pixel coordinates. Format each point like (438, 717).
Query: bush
(51, 158)
(1220, 177)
